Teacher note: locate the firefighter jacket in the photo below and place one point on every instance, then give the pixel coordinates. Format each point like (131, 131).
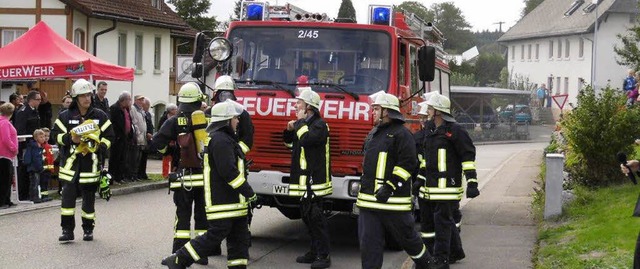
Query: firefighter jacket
(245, 132)
(421, 171)
(27, 120)
(310, 157)
(225, 186)
(449, 151)
(389, 158)
(72, 161)
(169, 131)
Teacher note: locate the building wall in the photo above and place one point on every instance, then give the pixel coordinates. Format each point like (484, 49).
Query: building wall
(608, 71)
(18, 3)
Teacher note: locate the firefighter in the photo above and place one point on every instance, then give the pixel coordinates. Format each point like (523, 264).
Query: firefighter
(186, 181)
(84, 135)
(384, 199)
(449, 152)
(308, 137)
(224, 88)
(227, 194)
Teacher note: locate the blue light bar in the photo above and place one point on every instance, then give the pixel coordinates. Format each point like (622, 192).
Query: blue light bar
(381, 15)
(255, 12)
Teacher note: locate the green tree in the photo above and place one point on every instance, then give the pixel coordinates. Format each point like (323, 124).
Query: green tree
(530, 5)
(418, 9)
(629, 53)
(488, 67)
(504, 78)
(236, 10)
(449, 19)
(193, 12)
(346, 10)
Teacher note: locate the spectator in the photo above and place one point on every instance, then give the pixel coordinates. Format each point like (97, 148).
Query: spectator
(630, 81)
(44, 110)
(17, 101)
(124, 138)
(47, 157)
(34, 164)
(140, 127)
(66, 101)
(26, 122)
(142, 169)
(541, 94)
(172, 110)
(100, 100)
(8, 152)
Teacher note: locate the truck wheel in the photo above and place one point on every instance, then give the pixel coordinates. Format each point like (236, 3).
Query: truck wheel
(290, 212)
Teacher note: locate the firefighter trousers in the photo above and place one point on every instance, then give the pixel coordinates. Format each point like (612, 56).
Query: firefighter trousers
(372, 226)
(636, 255)
(187, 202)
(235, 230)
(428, 229)
(447, 236)
(71, 191)
(316, 223)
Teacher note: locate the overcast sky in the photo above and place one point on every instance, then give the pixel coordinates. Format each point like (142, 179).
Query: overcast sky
(481, 14)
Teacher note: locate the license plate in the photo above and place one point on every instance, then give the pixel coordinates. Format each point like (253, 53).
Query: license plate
(280, 189)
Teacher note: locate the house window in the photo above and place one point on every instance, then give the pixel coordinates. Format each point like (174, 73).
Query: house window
(558, 81)
(521, 52)
(157, 4)
(138, 51)
(157, 49)
(559, 49)
(122, 49)
(581, 48)
(529, 52)
(78, 38)
(576, 4)
(9, 35)
(567, 48)
(590, 7)
(537, 51)
(566, 85)
(550, 49)
(513, 52)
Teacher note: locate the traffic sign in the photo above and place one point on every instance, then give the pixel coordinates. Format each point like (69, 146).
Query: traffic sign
(184, 65)
(560, 99)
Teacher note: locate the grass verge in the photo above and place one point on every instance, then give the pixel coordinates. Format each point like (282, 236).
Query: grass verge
(596, 230)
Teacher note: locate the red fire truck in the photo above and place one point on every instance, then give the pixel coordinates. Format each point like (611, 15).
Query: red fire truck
(273, 50)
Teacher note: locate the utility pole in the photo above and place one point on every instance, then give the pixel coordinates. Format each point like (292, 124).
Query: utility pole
(500, 23)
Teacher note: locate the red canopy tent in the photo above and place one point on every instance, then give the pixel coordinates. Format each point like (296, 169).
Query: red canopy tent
(42, 53)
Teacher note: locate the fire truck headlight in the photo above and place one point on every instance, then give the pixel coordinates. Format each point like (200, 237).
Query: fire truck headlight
(354, 188)
(380, 15)
(255, 12)
(220, 49)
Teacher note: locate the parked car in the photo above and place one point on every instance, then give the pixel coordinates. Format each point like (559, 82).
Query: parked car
(472, 116)
(521, 113)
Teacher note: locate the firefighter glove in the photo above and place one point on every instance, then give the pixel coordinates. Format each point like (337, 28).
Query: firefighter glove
(383, 194)
(472, 190)
(253, 201)
(105, 190)
(415, 189)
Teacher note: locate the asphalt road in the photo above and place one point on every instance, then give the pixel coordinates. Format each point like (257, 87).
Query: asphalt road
(135, 231)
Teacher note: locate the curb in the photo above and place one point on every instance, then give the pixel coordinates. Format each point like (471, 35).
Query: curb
(27, 207)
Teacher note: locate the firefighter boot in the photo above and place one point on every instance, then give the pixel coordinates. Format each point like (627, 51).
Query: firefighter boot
(216, 251)
(456, 256)
(424, 262)
(321, 262)
(308, 257)
(88, 235)
(173, 262)
(67, 235)
(440, 264)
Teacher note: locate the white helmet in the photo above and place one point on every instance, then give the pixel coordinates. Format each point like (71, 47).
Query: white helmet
(80, 87)
(225, 110)
(189, 93)
(225, 83)
(309, 96)
(440, 102)
(385, 100)
(423, 105)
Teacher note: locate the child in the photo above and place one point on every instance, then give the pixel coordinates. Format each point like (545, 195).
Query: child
(34, 163)
(45, 176)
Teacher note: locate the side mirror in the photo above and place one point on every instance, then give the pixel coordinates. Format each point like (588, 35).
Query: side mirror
(426, 63)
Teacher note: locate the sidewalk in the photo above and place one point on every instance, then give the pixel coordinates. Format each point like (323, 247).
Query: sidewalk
(153, 167)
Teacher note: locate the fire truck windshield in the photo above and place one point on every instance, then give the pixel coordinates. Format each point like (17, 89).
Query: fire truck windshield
(353, 61)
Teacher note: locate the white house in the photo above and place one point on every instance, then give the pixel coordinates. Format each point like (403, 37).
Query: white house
(135, 33)
(554, 44)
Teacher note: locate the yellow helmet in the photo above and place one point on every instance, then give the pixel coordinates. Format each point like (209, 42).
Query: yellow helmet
(189, 93)
(225, 83)
(309, 96)
(80, 87)
(225, 110)
(385, 100)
